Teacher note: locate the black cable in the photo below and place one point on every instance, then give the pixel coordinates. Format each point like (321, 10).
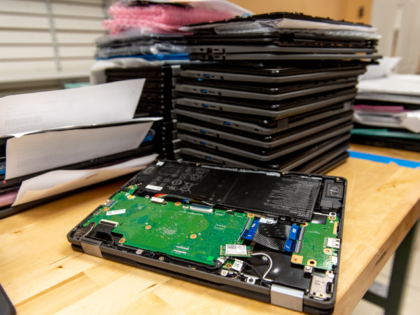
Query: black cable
(258, 273)
(188, 262)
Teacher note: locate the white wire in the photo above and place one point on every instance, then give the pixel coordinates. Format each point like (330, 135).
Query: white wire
(269, 258)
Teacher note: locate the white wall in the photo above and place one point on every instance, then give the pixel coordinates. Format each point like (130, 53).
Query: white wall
(398, 21)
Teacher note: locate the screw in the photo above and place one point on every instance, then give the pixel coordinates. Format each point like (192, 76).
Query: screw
(161, 258)
(264, 258)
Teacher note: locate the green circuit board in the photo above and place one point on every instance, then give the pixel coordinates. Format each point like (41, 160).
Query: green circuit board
(172, 228)
(315, 250)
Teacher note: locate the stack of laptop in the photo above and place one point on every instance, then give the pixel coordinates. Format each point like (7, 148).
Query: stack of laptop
(135, 43)
(387, 113)
(156, 100)
(271, 97)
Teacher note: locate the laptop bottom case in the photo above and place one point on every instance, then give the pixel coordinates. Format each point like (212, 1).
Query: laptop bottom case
(285, 163)
(259, 154)
(173, 217)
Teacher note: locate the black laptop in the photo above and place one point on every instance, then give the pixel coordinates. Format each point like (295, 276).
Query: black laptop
(266, 235)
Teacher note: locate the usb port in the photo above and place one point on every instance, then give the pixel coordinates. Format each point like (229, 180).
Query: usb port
(203, 143)
(227, 123)
(208, 157)
(205, 105)
(203, 131)
(200, 79)
(207, 75)
(203, 91)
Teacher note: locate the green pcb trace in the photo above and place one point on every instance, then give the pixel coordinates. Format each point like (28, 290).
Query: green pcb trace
(171, 227)
(319, 245)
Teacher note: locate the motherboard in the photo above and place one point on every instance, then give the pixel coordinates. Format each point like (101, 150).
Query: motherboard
(264, 229)
(192, 232)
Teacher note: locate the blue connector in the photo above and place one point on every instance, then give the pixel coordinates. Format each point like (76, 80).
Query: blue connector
(295, 232)
(250, 234)
(290, 246)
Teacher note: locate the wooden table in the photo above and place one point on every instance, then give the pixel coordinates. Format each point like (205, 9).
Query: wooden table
(43, 275)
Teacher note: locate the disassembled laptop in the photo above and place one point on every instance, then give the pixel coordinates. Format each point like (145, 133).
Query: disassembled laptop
(270, 236)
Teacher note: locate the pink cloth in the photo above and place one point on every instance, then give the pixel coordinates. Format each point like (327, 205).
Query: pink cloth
(374, 108)
(8, 198)
(159, 18)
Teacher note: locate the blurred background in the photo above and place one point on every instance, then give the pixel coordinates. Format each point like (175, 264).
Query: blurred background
(45, 44)
(40, 37)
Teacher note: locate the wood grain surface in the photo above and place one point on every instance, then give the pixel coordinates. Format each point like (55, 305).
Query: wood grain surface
(43, 275)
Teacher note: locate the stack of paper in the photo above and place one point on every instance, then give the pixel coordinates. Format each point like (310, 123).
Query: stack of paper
(388, 112)
(54, 142)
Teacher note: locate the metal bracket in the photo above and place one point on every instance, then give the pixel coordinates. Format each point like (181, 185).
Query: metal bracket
(250, 279)
(321, 287)
(91, 247)
(286, 297)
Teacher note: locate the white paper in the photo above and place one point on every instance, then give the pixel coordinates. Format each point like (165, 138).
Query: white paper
(407, 120)
(87, 105)
(285, 23)
(397, 98)
(411, 123)
(134, 120)
(401, 84)
(314, 25)
(385, 67)
(215, 5)
(57, 182)
(43, 151)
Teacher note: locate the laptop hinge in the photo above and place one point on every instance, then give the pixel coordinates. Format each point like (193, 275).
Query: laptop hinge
(286, 297)
(91, 247)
